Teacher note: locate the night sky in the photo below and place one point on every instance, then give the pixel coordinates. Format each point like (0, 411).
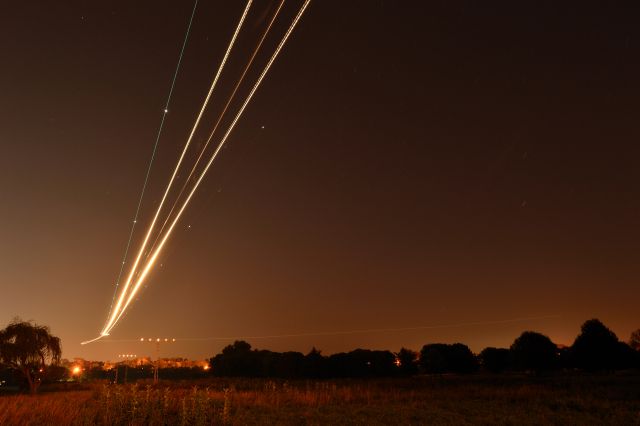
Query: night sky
(404, 164)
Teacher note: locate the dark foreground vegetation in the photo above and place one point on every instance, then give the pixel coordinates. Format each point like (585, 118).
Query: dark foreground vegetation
(517, 399)
(594, 381)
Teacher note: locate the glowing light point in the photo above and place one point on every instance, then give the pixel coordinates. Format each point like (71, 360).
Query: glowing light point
(76, 370)
(166, 110)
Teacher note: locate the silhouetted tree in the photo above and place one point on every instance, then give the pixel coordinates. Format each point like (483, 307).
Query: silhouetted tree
(533, 351)
(275, 364)
(461, 359)
(28, 348)
(362, 363)
(381, 363)
(236, 360)
(597, 348)
(433, 358)
(437, 358)
(240, 360)
(407, 362)
(626, 357)
(315, 365)
(634, 340)
(495, 360)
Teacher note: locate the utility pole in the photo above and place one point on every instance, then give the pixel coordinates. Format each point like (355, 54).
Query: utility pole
(157, 342)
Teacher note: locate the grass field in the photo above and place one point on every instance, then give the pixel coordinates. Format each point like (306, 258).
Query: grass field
(454, 400)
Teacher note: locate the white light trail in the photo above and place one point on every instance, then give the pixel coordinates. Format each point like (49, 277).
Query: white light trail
(158, 249)
(215, 127)
(115, 313)
(153, 155)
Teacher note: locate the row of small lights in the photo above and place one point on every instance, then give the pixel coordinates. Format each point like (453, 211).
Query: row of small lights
(142, 339)
(127, 356)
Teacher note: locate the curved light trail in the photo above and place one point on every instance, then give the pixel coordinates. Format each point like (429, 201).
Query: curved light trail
(153, 155)
(164, 239)
(115, 312)
(131, 287)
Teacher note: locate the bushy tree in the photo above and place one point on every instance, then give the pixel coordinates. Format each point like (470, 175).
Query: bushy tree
(362, 363)
(462, 360)
(494, 360)
(596, 348)
(437, 358)
(533, 351)
(407, 362)
(433, 358)
(315, 364)
(29, 348)
(235, 360)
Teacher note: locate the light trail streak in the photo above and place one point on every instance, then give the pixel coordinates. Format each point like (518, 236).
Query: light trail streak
(215, 127)
(157, 251)
(116, 312)
(153, 155)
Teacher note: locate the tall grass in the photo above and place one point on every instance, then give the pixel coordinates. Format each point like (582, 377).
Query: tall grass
(431, 400)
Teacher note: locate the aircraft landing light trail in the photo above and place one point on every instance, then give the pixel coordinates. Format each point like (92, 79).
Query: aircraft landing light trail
(140, 272)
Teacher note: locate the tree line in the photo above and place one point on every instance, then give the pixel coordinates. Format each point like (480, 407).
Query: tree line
(596, 348)
(31, 352)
